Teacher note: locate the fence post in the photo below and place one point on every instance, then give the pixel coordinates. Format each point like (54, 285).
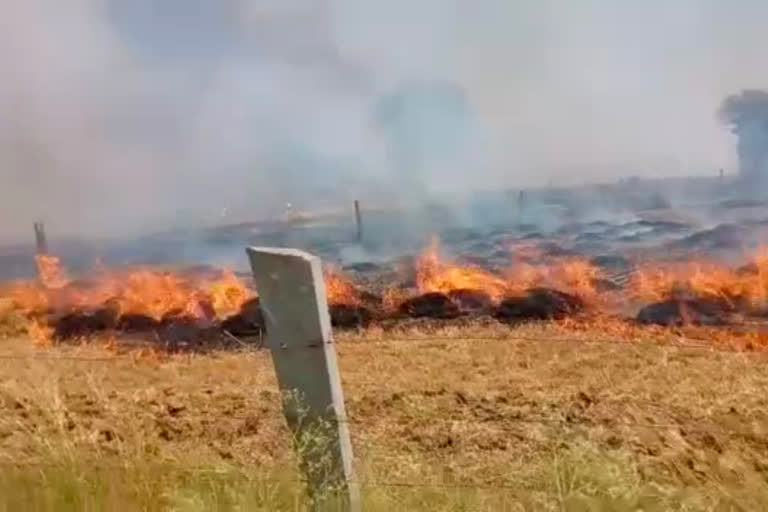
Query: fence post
(41, 244)
(358, 221)
(298, 332)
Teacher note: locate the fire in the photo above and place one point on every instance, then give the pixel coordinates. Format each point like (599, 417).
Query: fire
(140, 295)
(209, 297)
(650, 283)
(705, 279)
(228, 294)
(435, 275)
(141, 291)
(39, 333)
(572, 275)
(392, 298)
(147, 292)
(338, 289)
(579, 276)
(51, 273)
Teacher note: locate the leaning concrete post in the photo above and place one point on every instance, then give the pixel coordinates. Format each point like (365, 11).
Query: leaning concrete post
(293, 301)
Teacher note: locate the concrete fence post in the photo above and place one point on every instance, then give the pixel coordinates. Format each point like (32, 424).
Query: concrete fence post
(298, 333)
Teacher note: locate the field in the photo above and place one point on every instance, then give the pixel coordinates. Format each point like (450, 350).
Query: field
(480, 418)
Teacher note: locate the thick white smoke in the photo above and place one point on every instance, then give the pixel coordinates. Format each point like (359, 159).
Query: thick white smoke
(119, 116)
(747, 114)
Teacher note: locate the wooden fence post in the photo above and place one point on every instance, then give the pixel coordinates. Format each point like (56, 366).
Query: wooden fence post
(41, 244)
(298, 332)
(358, 221)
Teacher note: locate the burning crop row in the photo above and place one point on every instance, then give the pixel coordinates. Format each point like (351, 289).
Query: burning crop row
(136, 291)
(434, 274)
(206, 302)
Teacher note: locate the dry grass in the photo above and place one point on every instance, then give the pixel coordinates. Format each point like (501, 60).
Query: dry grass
(12, 322)
(437, 424)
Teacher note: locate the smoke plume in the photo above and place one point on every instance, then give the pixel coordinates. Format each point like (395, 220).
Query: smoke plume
(128, 116)
(747, 115)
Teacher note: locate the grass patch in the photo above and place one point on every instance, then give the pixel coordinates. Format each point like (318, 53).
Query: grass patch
(577, 478)
(149, 488)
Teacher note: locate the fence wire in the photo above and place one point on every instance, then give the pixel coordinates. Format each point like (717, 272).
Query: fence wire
(228, 472)
(685, 344)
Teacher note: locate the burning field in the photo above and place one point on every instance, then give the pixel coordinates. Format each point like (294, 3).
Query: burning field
(656, 275)
(483, 371)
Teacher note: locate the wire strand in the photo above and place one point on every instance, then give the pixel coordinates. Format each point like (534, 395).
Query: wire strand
(418, 341)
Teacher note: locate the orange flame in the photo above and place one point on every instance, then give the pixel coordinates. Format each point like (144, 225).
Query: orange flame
(51, 273)
(39, 333)
(572, 275)
(338, 289)
(136, 291)
(704, 278)
(158, 294)
(228, 294)
(148, 292)
(434, 275)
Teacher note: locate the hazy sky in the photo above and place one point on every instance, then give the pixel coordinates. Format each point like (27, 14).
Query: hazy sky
(136, 114)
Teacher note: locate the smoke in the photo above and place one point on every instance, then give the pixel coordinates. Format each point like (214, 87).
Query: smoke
(747, 114)
(426, 128)
(132, 116)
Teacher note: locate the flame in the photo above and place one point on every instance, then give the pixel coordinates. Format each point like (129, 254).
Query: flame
(51, 273)
(392, 298)
(210, 297)
(579, 276)
(339, 289)
(228, 294)
(573, 275)
(435, 275)
(705, 279)
(138, 291)
(144, 291)
(40, 334)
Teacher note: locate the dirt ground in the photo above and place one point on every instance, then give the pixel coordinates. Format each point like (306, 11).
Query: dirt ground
(519, 412)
